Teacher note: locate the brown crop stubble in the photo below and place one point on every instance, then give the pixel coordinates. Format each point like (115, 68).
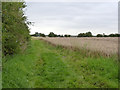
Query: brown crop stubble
(105, 46)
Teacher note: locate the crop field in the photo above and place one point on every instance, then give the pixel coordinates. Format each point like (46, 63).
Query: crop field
(105, 45)
(48, 64)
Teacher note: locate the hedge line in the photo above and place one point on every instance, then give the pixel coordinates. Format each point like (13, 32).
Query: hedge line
(15, 31)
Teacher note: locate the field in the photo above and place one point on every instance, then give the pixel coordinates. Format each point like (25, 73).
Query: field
(106, 45)
(48, 63)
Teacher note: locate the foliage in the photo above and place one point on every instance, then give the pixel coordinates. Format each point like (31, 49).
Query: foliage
(15, 32)
(38, 34)
(87, 34)
(99, 35)
(60, 36)
(114, 35)
(51, 34)
(42, 35)
(110, 35)
(67, 35)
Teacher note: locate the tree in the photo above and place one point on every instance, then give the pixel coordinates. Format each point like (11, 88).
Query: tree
(51, 34)
(99, 35)
(88, 34)
(67, 35)
(81, 35)
(37, 34)
(42, 35)
(61, 35)
(117, 35)
(114, 35)
(105, 36)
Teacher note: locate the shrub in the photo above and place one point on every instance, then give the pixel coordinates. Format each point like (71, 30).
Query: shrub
(15, 32)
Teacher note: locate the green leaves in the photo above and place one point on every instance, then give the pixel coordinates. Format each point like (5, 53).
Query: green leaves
(15, 32)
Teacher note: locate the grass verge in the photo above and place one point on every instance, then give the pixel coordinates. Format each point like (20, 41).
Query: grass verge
(45, 66)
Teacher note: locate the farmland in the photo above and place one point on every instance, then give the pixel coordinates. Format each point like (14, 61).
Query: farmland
(47, 63)
(106, 45)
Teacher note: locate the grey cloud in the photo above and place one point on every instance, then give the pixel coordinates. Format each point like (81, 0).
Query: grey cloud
(74, 16)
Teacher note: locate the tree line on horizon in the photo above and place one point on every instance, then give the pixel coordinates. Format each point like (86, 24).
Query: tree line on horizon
(87, 34)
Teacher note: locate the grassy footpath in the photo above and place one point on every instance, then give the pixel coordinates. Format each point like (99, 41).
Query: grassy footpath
(46, 66)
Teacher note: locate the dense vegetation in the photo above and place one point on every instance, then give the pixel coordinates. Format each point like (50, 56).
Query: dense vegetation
(15, 32)
(87, 34)
(38, 34)
(45, 66)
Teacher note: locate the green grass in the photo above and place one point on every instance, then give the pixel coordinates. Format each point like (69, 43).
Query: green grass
(45, 66)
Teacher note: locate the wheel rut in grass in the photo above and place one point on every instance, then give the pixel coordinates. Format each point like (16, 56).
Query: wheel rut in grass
(53, 71)
(49, 70)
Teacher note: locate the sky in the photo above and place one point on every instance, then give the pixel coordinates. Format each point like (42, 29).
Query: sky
(72, 17)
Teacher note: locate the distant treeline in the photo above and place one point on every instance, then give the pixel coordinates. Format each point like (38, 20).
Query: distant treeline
(87, 34)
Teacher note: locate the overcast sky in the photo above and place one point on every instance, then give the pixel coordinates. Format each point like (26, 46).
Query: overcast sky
(73, 17)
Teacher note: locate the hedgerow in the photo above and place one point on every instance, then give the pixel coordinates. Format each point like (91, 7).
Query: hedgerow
(15, 30)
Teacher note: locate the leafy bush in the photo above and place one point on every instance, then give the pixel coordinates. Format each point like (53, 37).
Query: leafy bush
(15, 32)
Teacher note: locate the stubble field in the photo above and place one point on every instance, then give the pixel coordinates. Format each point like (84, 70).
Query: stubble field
(104, 45)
